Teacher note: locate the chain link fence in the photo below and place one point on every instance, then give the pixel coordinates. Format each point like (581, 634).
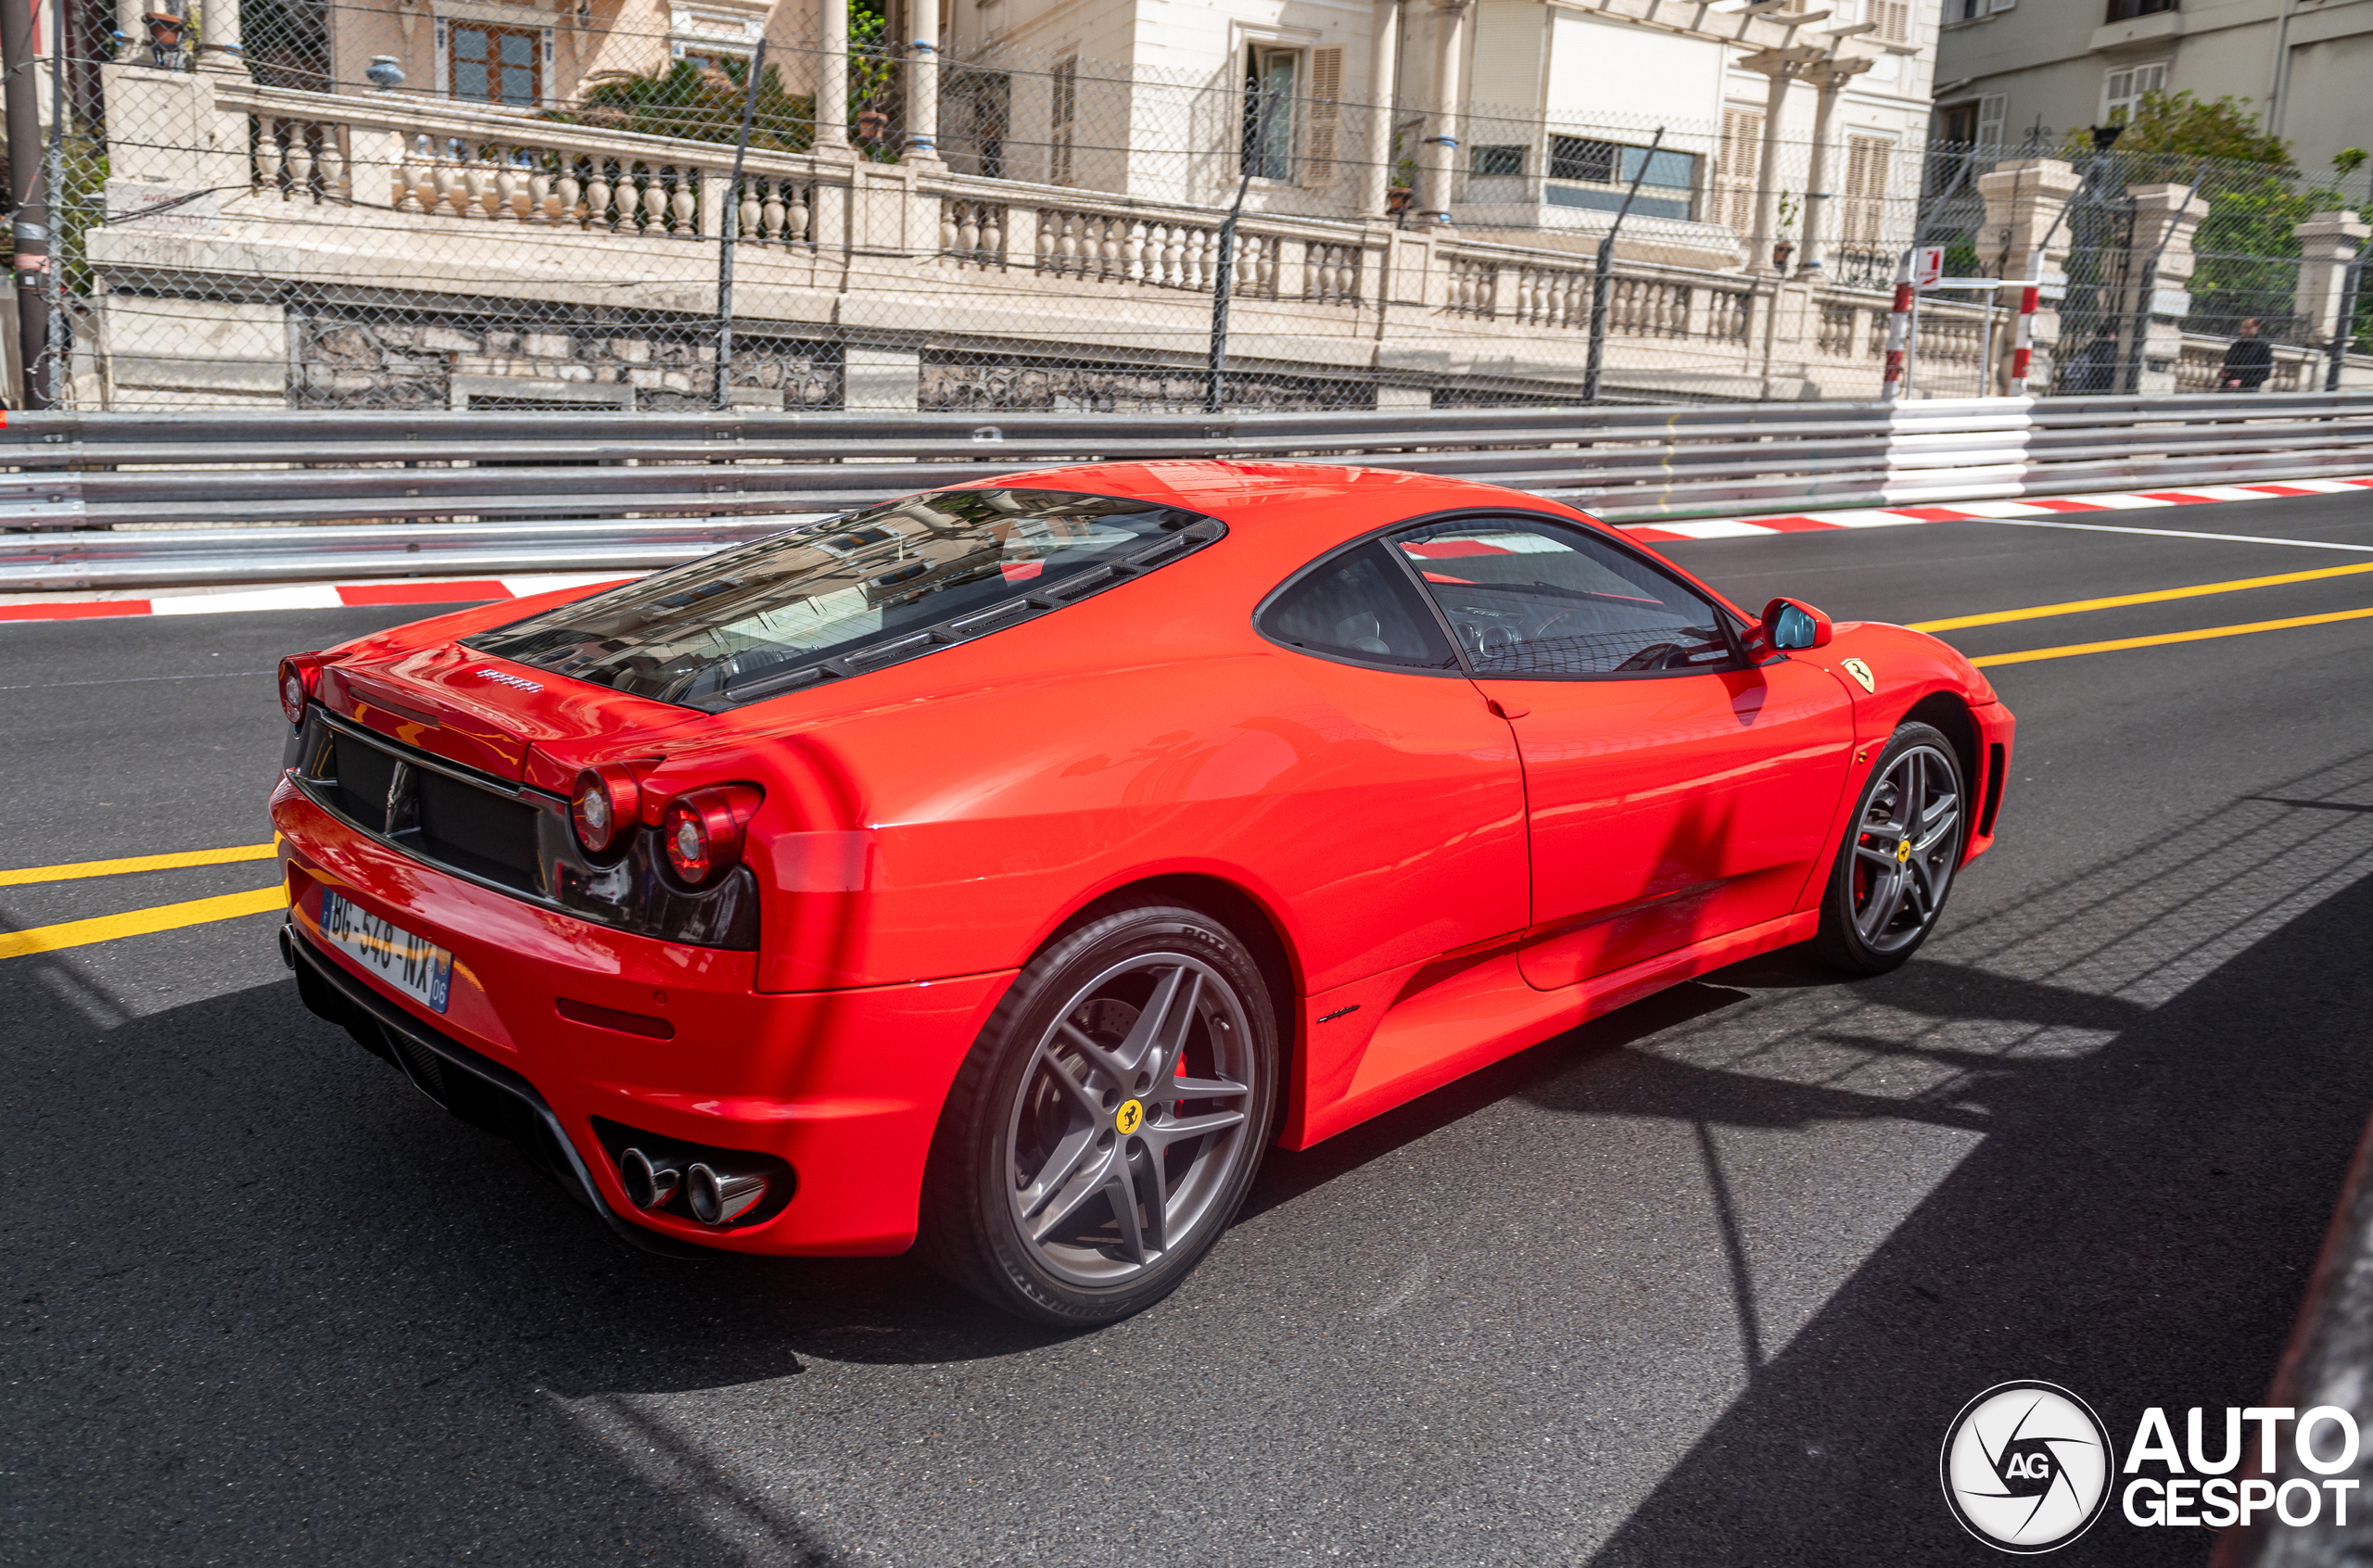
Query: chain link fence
(2146, 301)
(379, 206)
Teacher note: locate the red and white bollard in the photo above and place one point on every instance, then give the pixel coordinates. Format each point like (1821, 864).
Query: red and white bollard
(2023, 338)
(1898, 331)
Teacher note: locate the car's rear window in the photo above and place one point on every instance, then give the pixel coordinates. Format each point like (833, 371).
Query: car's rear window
(861, 591)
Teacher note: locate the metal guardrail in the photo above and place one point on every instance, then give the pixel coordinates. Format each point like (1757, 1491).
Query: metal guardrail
(243, 497)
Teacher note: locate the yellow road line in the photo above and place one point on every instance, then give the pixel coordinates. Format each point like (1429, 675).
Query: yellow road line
(74, 870)
(2164, 638)
(139, 922)
(2159, 596)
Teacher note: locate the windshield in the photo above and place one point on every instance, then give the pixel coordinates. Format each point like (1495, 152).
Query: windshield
(856, 593)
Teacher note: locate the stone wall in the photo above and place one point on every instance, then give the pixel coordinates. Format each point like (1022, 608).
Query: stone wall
(384, 360)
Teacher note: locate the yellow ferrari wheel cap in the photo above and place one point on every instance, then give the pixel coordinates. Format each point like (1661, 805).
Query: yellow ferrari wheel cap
(1902, 853)
(1132, 1115)
(1861, 673)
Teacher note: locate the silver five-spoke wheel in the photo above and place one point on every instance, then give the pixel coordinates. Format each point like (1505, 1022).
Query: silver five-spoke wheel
(1110, 1120)
(1129, 1117)
(1901, 852)
(1905, 849)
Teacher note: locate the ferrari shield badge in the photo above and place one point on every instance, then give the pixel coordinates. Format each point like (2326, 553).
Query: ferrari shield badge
(1861, 672)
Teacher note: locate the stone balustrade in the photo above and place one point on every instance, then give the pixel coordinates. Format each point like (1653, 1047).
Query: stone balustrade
(402, 199)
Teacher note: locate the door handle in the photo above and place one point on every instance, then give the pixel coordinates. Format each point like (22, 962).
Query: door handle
(1503, 710)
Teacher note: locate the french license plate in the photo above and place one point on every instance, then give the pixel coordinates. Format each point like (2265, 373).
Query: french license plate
(413, 964)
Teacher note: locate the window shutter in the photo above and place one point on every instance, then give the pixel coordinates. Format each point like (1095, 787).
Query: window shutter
(1061, 105)
(1894, 18)
(1741, 145)
(1326, 116)
(1992, 109)
(1866, 188)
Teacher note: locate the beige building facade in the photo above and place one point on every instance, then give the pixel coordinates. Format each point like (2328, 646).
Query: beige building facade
(2009, 71)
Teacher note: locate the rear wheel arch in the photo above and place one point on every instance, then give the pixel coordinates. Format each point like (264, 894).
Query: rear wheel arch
(1241, 913)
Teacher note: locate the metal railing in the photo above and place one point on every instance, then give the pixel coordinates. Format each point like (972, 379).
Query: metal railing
(109, 501)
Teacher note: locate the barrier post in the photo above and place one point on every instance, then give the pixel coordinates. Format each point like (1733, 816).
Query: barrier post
(1898, 331)
(2023, 337)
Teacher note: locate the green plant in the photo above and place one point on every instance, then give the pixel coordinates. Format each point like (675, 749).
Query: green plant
(696, 102)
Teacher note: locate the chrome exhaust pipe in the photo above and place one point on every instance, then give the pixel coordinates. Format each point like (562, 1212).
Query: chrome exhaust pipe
(719, 1196)
(649, 1183)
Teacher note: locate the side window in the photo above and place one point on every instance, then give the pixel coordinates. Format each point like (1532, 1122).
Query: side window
(1360, 607)
(1529, 598)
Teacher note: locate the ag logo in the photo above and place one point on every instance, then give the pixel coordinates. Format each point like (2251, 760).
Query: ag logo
(2026, 1467)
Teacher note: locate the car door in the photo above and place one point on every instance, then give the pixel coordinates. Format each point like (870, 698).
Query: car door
(1674, 792)
(1418, 841)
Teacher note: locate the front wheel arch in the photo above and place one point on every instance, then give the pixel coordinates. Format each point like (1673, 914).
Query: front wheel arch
(1946, 713)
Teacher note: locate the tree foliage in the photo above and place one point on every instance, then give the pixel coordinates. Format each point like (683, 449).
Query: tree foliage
(2246, 255)
(2181, 125)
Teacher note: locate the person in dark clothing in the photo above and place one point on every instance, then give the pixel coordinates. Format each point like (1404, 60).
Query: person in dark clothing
(2248, 361)
(2095, 367)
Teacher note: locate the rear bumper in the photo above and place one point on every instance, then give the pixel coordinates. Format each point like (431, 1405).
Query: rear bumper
(843, 1086)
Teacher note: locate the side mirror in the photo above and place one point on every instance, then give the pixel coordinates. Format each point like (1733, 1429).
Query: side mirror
(1788, 627)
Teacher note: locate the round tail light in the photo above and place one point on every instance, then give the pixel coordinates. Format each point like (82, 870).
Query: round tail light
(604, 807)
(300, 676)
(702, 830)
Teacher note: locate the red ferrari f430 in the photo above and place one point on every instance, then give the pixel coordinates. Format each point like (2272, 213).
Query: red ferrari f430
(1005, 869)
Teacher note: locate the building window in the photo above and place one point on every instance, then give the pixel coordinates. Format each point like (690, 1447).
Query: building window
(1894, 18)
(1971, 10)
(495, 64)
(1668, 179)
(1271, 79)
(2122, 91)
(2126, 10)
(1489, 162)
(1974, 122)
(1061, 112)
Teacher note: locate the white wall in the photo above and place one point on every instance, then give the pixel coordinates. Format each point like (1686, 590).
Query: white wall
(1602, 71)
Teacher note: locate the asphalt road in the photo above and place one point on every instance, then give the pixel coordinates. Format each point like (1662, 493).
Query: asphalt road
(1702, 1282)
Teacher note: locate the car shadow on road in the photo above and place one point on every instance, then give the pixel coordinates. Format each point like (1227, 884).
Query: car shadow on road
(267, 1300)
(2137, 1224)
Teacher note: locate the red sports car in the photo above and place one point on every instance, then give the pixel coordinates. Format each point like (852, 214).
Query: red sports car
(1008, 866)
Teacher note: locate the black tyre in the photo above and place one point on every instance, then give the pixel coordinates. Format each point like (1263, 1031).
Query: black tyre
(1901, 848)
(1108, 1122)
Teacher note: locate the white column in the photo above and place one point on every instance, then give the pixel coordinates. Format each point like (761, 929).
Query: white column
(1384, 57)
(832, 73)
(1776, 64)
(922, 83)
(1829, 78)
(131, 21)
(218, 48)
(1440, 154)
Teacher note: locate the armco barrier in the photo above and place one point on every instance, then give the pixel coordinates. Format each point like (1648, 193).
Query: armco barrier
(242, 494)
